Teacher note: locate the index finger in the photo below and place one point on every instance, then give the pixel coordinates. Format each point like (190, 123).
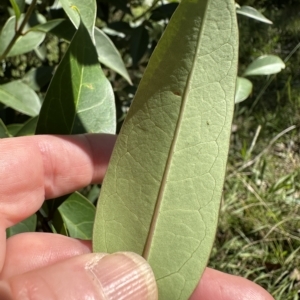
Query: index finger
(36, 168)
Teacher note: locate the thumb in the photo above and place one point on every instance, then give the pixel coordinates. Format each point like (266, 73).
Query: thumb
(91, 276)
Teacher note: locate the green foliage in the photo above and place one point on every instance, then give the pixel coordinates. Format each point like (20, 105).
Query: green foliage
(251, 12)
(20, 97)
(243, 89)
(80, 98)
(258, 235)
(78, 215)
(265, 65)
(24, 42)
(28, 225)
(18, 7)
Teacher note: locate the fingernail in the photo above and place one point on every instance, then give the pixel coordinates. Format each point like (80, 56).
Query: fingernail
(124, 276)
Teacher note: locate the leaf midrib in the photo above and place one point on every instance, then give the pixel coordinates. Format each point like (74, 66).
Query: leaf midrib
(161, 191)
(77, 97)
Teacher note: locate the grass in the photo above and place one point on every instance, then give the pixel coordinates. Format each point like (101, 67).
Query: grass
(259, 230)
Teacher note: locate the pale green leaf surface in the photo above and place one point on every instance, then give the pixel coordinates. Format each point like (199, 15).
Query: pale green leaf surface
(109, 55)
(27, 225)
(243, 89)
(162, 190)
(78, 214)
(20, 97)
(25, 43)
(80, 98)
(251, 12)
(86, 10)
(265, 65)
(4, 133)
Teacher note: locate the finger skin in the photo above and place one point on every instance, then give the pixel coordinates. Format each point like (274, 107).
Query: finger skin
(215, 285)
(90, 276)
(29, 251)
(41, 167)
(36, 168)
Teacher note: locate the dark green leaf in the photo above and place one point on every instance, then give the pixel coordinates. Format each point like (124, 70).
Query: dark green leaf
(163, 12)
(80, 98)
(20, 97)
(109, 55)
(120, 27)
(78, 214)
(162, 190)
(58, 224)
(4, 133)
(37, 78)
(28, 225)
(25, 43)
(60, 27)
(243, 89)
(120, 4)
(139, 43)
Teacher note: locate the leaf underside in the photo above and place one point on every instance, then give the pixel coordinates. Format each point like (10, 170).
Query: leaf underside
(161, 194)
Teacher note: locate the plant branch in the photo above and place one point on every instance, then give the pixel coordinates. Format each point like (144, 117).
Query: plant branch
(18, 32)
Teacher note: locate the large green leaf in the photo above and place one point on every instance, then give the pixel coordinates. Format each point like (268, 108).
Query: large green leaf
(162, 190)
(27, 225)
(265, 65)
(24, 43)
(80, 98)
(243, 89)
(78, 214)
(20, 97)
(86, 10)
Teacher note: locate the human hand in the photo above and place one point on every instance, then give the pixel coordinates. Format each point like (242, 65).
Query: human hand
(51, 266)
